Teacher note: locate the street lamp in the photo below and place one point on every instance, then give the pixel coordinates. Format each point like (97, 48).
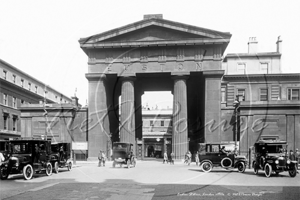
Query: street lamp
(236, 105)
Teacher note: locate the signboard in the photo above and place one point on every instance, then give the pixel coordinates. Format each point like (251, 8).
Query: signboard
(79, 146)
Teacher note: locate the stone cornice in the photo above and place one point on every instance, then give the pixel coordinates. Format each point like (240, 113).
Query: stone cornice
(123, 44)
(213, 73)
(255, 55)
(262, 77)
(95, 76)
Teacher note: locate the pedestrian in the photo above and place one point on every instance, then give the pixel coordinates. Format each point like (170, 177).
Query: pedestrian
(172, 158)
(61, 153)
(101, 158)
(188, 157)
(292, 155)
(165, 158)
(1, 158)
(297, 155)
(197, 158)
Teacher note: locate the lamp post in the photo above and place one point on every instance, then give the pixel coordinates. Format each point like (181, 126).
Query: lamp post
(236, 105)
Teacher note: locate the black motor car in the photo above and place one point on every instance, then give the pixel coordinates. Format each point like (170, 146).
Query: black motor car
(271, 156)
(61, 156)
(27, 156)
(211, 156)
(123, 154)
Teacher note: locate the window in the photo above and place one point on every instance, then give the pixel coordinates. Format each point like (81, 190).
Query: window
(29, 86)
(151, 123)
(36, 89)
(241, 68)
(14, 78)
(223, 94)
(15, 118)
(5, 99)
(5, 117)
(241, 94)
(14, 102)
(4, 74)
(22, 101)
(22, 82)
(162, 123)
(293, 93)
(264, 68)
(263, 96)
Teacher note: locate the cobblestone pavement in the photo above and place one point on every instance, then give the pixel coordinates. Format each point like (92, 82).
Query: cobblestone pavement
(150, 180)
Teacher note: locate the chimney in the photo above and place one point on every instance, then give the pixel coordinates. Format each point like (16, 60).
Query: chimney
(157, 16)
(75, 101)
(252, 45)
(279, 44)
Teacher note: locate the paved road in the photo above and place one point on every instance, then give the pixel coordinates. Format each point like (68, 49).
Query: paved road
(151, 180)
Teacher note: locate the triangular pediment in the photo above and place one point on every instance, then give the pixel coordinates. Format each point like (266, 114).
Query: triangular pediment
(152, 30)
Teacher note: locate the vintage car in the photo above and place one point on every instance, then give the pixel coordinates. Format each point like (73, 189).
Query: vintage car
(123, 154)
(270, 156)
(27, 156)
(211, 156)
(61, 156)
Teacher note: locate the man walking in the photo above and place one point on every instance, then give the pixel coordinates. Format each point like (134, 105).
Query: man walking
(171, 158)
(165, 158)
(101, 158)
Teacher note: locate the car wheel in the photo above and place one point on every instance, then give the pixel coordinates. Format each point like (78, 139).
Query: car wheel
(48, 169)
(293, 172)
(114, 164)
(27, 172)
(268, 170)
(56, 167)
(241, 167)
(4, 173)
(69, 167)
(206, 166)
(226, 162)
(128, 163)
(255, 167)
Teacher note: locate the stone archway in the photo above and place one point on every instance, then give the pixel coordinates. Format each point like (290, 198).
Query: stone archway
(154, 54)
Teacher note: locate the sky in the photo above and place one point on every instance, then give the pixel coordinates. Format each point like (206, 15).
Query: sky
(41, 37)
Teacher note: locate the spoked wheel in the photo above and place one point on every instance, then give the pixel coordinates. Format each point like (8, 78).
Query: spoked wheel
(255, 168)
(128, 163)
(3, 173)
(241, 167)
(206, 166)
(268, 170)
(27, 172)
(56, 167)
(69, 166)
(48, 169)
(293, 172)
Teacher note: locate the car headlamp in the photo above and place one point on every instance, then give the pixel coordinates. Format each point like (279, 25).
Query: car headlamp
(277, 162)
(288, 162)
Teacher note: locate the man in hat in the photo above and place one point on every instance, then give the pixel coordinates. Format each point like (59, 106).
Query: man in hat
(297, 154)
(101, 158)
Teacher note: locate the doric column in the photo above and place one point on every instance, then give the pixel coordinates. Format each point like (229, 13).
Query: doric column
(212, 105)
(99, 132)
(180, 125)
(127, 126)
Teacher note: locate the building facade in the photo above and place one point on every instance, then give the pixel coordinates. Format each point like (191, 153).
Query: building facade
(16, 89)
(269, 101)
(157, 132)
